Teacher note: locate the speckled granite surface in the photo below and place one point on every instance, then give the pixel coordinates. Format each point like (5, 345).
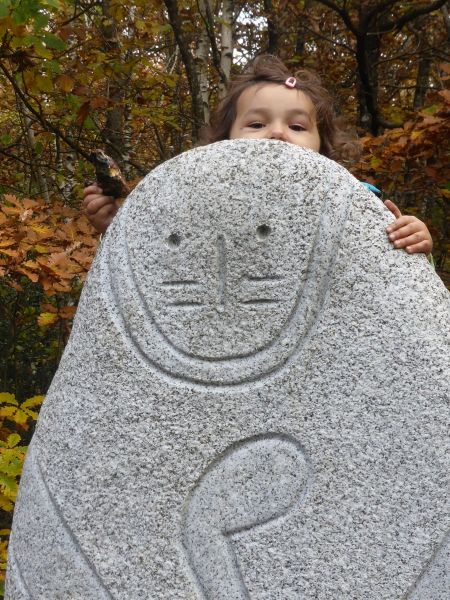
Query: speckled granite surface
(254, 402)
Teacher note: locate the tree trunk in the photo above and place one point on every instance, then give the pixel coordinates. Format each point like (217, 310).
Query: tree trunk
(201, 57)
(301, 31)
(112, 133)
(226, 44)
(189, 65)
(272, 28)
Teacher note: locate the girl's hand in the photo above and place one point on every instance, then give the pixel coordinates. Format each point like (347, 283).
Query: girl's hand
(100, 209)
(408, 232)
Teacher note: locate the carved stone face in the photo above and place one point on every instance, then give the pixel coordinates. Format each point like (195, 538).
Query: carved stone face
(222, 283)
(225, 290)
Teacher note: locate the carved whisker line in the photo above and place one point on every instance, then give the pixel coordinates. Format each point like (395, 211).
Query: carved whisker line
(180, 283)
(262, 278)
(264, 301)
(185, 304)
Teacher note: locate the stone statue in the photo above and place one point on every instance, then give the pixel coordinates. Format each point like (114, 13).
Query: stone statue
(254, 401)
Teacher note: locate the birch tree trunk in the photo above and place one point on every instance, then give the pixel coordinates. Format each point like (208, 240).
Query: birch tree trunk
(201, 57)
(226, 44)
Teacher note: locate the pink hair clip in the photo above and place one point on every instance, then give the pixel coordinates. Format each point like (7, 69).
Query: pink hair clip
(290, 82)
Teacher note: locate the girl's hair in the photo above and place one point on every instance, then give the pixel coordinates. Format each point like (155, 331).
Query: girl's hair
(335, 142)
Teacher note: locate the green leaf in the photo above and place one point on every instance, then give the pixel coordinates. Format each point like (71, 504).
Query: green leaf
(51, 66)
(27, 40)
(40, 21)
(52, 3)
(53, 41)
(4, 8)
(13, 440)
(42, 51)
(9, 483)
(44, 83)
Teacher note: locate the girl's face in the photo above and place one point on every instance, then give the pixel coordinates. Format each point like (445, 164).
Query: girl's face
(274, 111)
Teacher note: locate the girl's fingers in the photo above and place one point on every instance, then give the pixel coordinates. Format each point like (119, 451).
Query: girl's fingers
(393, 208)
(92, 189)
(401, 222)
(409, 240)
(106, 211)
(103, 217)
(403, 230)
(425, 246)
(93, 203)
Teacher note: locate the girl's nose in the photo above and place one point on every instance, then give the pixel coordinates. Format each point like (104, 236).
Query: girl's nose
(277, 133)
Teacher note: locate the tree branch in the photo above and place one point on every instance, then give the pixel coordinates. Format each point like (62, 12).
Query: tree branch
(208, 20)
(342, 13)
(411, 15)
(44, 122)
(189, 65)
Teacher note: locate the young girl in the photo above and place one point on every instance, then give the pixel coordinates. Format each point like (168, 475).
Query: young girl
(266, 101)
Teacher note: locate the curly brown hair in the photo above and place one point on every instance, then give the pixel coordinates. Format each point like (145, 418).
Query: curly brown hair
(336, 142)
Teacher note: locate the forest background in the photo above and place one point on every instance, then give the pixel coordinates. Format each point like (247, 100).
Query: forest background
(139, 79)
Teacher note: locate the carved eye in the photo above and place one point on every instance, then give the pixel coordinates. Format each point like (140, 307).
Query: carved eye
(174, 240)
(262, 232)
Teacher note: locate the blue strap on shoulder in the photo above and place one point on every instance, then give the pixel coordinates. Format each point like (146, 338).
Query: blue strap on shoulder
(371, 187)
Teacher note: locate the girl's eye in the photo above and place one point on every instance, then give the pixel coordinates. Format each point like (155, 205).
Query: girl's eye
(256, 125)
(297, 127)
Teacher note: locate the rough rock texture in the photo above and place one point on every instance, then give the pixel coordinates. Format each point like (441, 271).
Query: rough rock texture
(254, 402)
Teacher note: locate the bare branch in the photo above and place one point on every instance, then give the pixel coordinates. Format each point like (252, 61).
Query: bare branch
(411, 15)
(342, 13)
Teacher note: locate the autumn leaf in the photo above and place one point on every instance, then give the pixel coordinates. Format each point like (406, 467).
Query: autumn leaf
(46, 318)
(7, 398)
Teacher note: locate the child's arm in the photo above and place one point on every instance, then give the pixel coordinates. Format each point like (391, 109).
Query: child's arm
(408, 232)
(100, 209)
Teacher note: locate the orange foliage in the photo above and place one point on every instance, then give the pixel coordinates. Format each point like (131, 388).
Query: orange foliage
(50, 244)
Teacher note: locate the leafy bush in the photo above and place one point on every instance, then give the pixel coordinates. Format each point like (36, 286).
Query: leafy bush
(16, 428)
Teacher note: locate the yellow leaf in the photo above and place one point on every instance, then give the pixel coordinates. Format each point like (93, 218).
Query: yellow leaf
(30, 264)
(41, 249)
(375, 162)
(7, 411)
(13, 440)
(20, 417)
(45, 319)
(8, 242)
(5, 503)
(42, 230)
(33, 401)
(7, 398)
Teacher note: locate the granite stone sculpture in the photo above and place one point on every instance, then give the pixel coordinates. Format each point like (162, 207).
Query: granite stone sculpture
(254, 401)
